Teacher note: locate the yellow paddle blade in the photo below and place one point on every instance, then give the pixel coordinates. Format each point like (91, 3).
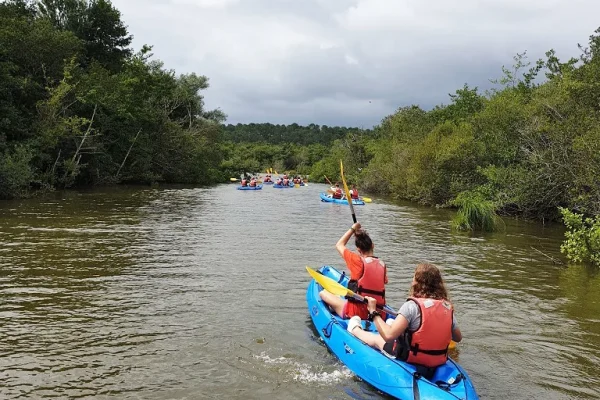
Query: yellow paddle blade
(344, 182)
(367, 199)
(233, 179)
(347, 192)
(276, 173)
(329, 284)
(452, 345)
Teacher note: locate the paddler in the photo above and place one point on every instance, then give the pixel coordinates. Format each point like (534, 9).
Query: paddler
(337, 191)
(424, 327)
(368, 275)
(354, 192)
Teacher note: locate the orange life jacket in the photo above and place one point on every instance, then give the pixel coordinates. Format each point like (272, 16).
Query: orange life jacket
(372, 281)
(428, 345)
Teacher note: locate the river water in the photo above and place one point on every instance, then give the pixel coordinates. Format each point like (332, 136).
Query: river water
(195, 293)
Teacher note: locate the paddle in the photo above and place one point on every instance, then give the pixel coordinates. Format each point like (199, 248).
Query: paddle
(340, 290)
(328, 181)
(347, 192)
(333, 287)
(233, 179)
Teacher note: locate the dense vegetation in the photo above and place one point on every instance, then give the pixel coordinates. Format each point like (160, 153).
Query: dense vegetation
(283, 134)
(528, 147)
(291, 148)
(79, 107)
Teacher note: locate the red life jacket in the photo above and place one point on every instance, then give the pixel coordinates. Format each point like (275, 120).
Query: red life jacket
(372, 281)
(252, 183)
(354, 193)
(429, 344)
(244, 182)
(338, 193)
(285, 182)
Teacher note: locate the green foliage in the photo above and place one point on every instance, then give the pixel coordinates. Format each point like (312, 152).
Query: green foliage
(279, 134)
(475, 213)
(88, 110)
(15, 173)
(96, 23)
(582, 238)
(528, 147)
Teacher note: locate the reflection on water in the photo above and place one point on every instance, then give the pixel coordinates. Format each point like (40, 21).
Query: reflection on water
(200, 293)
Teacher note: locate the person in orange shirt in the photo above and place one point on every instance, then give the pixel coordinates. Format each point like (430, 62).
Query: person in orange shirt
(368, 275)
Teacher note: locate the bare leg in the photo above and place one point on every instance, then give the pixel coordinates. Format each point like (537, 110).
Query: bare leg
(335, 302)
(372, 339)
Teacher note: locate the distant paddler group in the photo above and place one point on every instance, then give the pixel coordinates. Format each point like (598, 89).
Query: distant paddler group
(337, 195)
(252, 182)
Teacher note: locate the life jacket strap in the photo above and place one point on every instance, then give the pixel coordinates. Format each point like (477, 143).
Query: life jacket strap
(415, 349)
(369, 291)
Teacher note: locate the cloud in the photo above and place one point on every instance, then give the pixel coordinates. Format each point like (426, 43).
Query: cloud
(322, 61)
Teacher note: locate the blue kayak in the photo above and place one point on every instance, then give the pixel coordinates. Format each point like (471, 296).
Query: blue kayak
(276, 186)
(391, 376)
(329, 199)
(257, 187)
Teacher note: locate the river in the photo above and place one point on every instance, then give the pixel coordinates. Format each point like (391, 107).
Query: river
(199, 293)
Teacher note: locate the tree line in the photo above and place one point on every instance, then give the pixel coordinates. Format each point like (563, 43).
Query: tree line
(79, 107)
(279, 134)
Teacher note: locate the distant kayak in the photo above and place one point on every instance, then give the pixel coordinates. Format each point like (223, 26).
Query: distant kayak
(390, 375)
(329, 199)
(276, 186)
(257, 187)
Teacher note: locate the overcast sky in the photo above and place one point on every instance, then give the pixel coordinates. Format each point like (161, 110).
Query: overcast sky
(349, 62)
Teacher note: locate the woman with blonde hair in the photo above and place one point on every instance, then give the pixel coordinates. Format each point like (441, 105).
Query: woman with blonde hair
(424, 327)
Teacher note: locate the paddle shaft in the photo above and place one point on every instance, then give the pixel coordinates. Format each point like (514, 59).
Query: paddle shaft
(347, 192)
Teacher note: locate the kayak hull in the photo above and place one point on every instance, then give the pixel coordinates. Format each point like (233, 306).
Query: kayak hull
(276, 186)
(389, 375)
(325, 198)
(257, 187)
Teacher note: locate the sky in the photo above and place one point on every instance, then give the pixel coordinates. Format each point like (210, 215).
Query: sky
(349, 62)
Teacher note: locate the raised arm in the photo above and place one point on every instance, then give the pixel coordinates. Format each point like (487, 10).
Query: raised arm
(341, 244)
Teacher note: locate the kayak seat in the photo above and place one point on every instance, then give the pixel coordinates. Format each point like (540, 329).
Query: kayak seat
(425, 372)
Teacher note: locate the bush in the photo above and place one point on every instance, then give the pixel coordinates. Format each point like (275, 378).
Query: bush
(475, 213)
(15, 173)
(582, 238)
